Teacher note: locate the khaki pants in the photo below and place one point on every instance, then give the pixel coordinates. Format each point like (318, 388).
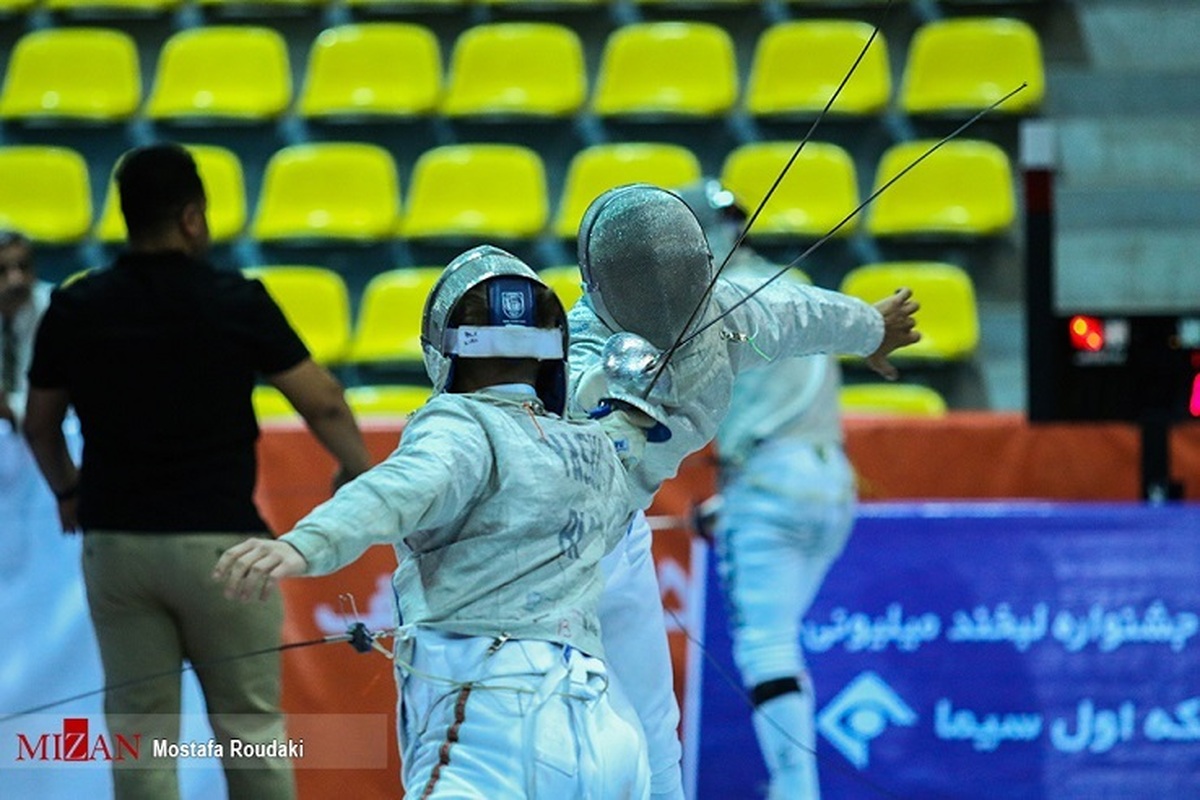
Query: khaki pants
(153, 603)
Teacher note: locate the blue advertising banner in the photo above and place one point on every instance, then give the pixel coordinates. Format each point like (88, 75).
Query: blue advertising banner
(990, 651)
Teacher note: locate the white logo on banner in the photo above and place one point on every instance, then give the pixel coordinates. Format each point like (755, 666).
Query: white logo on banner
(861, 712)
(380, 613)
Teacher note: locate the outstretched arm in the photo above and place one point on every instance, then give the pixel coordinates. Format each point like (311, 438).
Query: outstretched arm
(255, 566)
(441, 465)
(786, 319)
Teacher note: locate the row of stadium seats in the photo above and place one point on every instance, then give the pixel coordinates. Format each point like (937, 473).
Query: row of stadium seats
(521, 69)
(388, 325)
(387, 329)
(118, 7)
(351, 192)
(371, 402)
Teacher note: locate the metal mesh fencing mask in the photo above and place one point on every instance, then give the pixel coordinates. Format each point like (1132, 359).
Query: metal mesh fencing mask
(510, 332)
(645, 262)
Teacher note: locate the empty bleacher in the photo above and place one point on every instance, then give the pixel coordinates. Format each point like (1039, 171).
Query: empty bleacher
(365, 137)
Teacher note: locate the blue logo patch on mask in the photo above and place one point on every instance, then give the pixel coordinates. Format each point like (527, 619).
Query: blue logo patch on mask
(510, 302)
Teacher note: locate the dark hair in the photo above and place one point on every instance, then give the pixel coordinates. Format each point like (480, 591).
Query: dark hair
(155, 183)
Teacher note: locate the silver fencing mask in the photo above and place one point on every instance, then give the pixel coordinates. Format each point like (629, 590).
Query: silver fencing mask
(511, 330)
(646, 264)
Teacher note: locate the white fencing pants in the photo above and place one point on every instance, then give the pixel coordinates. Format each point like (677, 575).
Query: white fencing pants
(785, 517)
(635, 642)
(531, 720)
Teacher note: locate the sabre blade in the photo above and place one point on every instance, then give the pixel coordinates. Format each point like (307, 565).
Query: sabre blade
(680, 340)
(858, 209)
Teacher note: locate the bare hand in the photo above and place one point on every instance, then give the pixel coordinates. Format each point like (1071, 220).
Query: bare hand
(899, 330)
(251, 568)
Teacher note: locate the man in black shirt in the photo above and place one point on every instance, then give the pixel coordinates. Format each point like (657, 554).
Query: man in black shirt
(159, 354)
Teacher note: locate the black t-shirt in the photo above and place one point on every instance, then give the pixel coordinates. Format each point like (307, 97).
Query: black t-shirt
(159, 354)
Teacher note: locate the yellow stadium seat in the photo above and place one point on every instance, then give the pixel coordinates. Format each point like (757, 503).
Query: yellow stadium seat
(964, 189)
(222, 71)
(566, 282)
(599, 168)
(329, 190)
(958, 66)
(316, 303)
(389, 318)
(516, 68)
(377, 69)
(114, 8)
(220, 172)
(799, 65)
(693, 4)
(543, 4)
(466, 191)
(891, 399)
(74, 74)
(384, 402)
(388, 6)
(948, 319)
(259, 7)
(271, 406)
(9, 8)
(45, 193)
(666, 68)
(818, 192)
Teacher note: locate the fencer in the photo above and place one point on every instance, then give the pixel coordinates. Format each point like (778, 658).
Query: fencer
(500, 510)
(646, 269)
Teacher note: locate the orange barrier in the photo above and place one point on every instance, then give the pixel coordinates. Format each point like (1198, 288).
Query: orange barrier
(982, 455)
(961, 456)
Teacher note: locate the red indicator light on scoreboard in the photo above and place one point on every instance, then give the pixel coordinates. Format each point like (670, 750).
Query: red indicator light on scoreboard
(1194, 400)
(1087, 333)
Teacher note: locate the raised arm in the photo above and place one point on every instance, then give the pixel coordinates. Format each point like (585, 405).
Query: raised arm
(791, 319)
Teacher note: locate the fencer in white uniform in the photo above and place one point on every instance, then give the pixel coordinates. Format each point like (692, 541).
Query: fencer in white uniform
(499, 510)
(787, 493)
(646, 267)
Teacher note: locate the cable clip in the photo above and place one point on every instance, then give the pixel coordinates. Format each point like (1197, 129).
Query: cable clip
(361, 638)
(498, 643)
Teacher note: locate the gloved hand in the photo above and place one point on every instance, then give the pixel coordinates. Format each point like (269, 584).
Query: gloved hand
(627, 427)
(633, 364)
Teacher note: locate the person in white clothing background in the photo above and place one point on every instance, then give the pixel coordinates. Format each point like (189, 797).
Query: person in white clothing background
(786, 508)
(23, 300)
